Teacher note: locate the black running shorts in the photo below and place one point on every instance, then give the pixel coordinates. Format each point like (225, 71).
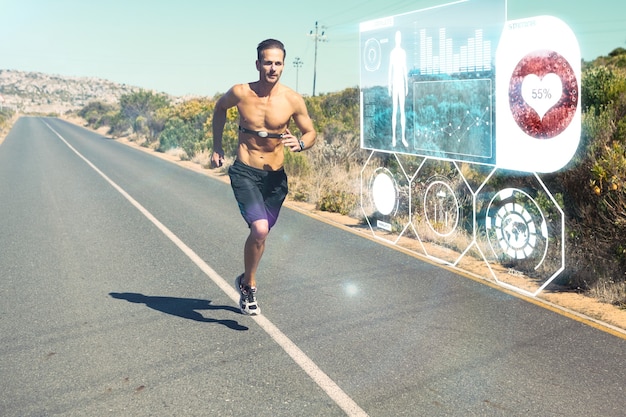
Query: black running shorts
(260, 194)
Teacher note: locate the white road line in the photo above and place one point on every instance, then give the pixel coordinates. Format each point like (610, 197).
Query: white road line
(333, 390)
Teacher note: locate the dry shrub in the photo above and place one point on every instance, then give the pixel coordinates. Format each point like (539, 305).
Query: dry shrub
(202, 158)
(177, 153)
(458, 241)
(610, 292)
(338, 192)
(331, 179)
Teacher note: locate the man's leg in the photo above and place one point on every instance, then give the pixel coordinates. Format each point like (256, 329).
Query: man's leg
(253, 250)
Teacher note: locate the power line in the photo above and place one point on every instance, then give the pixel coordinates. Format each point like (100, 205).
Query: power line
(297, 63)
(317, 37)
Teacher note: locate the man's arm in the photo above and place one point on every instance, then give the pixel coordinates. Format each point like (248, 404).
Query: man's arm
(225, 102)
(305, 125)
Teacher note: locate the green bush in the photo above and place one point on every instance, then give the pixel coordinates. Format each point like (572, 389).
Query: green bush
(593, 186)
(176, 132)
(596, 91)
(336, 201)
(98, 114)
(141, 111)
(120, 126)
(5, 115)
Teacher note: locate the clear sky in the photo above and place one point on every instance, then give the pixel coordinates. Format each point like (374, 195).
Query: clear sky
(202, 47)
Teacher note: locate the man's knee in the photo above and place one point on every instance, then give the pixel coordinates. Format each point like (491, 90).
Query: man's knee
(259, 230)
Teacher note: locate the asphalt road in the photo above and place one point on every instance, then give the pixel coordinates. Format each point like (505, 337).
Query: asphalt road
(116, 273)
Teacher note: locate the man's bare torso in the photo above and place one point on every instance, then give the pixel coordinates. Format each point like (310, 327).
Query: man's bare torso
(270, 113)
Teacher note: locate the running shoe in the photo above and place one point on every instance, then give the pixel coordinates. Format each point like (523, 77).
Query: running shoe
(247, 298)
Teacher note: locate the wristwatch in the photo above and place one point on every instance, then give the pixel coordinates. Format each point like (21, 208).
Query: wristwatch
(301, 142)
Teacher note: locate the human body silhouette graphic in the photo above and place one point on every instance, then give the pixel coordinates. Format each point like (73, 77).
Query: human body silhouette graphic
(398, 83)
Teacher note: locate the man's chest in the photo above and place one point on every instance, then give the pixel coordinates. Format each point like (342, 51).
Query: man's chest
(269, 113)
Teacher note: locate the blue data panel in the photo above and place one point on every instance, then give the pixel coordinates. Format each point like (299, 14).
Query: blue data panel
(428, 81)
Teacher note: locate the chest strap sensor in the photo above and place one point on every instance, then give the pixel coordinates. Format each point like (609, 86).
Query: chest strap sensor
(261, 133)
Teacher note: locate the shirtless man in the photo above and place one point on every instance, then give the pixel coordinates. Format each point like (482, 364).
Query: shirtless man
(257, 176)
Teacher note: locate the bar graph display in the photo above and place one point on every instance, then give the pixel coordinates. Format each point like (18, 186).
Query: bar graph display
(428, 80)
(471, 55)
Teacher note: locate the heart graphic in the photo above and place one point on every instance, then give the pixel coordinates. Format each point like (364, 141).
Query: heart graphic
(542, 93)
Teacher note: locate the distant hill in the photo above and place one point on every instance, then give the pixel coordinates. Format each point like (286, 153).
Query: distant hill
(35, 92)
(615, 59)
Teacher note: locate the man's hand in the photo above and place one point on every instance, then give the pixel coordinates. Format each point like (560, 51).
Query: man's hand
(291, 142)
(217, 159)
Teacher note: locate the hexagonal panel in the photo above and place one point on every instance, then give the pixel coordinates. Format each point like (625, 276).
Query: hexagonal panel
(385, 196)
(442, 210)
(521, 227)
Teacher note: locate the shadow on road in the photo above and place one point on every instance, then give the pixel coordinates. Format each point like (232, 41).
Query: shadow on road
(181, 307)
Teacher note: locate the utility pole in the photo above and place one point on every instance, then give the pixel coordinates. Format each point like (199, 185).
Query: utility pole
(317, 37)
(297, 62)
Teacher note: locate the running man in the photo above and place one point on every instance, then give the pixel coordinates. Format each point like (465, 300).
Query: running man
(257, 176)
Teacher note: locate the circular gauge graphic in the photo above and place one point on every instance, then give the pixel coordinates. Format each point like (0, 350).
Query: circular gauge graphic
(516, 226)
(384, 192)
(372, 55)
(441, 208)
(543, 94)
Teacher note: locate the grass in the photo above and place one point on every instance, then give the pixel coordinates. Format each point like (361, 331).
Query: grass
(610, 292)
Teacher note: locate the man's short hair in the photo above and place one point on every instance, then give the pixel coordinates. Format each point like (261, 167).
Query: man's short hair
(270, 44)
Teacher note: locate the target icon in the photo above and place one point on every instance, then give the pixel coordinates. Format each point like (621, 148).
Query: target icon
(516, 227)
(372, 55)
